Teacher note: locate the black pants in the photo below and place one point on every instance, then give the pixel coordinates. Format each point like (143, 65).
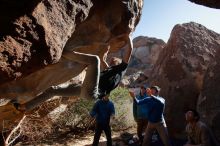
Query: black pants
(98, 132)
(141, 126)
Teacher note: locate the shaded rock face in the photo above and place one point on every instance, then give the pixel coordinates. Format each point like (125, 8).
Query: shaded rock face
(37, 35)
(208, 103)
(33, 33)
(145, 54)
(208, 3)
(180, 70)
(100, 22)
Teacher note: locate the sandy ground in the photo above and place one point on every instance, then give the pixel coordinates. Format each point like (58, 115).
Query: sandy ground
(84, 139)
(87, 141)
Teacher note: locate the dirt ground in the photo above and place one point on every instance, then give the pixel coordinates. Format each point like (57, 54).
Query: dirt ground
(82, 139)
(86, 139)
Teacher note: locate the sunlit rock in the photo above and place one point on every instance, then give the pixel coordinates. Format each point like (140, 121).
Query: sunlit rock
(180, 70)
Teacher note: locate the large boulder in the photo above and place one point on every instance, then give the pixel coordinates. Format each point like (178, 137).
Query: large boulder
(36, 34)
(180, 70)
(208, 103)
(145, 54)
(33, 33)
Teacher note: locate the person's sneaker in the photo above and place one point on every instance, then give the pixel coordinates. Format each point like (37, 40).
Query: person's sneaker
(135, 138)
(116, 144)
(154, 137)
(130, 141)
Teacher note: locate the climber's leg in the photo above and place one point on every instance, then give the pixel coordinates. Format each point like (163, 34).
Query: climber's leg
(71, 90)
(89, 89)
(90, 83)
(99, 49)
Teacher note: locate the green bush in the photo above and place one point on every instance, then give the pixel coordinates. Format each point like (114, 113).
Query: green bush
(76, 118)
(123, 106)
(77, 114)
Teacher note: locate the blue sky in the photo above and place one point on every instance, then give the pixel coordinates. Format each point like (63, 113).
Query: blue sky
(160, 16)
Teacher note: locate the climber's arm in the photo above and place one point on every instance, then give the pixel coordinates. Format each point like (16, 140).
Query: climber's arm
(128, 51)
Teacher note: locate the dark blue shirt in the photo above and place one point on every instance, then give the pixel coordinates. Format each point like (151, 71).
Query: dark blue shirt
(140, 111)
(155, 108)
(102, 111)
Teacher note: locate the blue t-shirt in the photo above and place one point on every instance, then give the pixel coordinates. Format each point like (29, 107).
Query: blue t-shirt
(140, 111)
(102, 111)
(155, 108)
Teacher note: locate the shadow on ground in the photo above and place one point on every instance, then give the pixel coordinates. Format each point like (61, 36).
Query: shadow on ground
(122, 138)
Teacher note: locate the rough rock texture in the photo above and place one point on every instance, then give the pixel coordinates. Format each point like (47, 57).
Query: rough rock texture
(58, 20)
(134, 80)
(208, 103)
(33, 33)
(36, 34)
(180, 70)
(145, 54)
(208, 3)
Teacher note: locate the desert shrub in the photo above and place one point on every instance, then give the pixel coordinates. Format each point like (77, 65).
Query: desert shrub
(35, 128)
(76, 117)
(123, 106)
(77, 114)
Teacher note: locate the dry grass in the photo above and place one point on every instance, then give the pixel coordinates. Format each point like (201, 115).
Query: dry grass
(74, 119)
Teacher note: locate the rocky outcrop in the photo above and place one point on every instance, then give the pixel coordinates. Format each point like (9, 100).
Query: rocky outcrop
(208, 3)
(145, 54)
(103, 23)
(33, 33)
(208, 103)
(36, 34)
(180, 70)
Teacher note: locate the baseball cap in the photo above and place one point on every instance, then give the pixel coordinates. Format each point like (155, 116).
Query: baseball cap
(157, 88)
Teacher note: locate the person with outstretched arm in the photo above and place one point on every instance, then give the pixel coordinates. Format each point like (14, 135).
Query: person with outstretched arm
(155, 110)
